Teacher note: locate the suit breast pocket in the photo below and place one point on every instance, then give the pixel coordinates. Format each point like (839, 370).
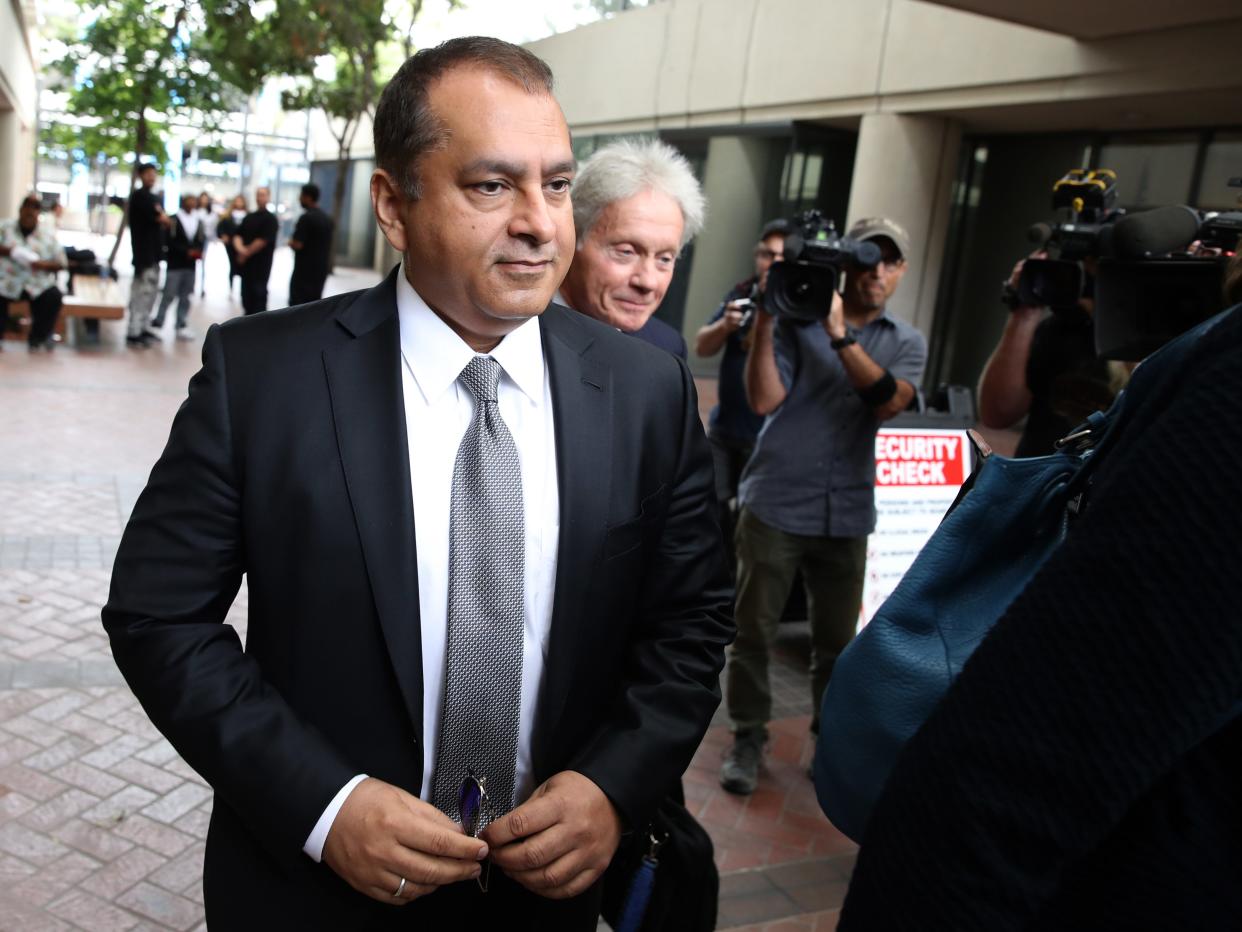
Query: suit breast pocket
(626, 536)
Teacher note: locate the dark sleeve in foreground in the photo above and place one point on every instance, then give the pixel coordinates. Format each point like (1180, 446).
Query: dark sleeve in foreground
(177, 570)
(1123, 654)
(670, 684)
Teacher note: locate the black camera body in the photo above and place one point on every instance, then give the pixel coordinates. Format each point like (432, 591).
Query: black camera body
(801, 287)
(1222, 230)
(1085, 203)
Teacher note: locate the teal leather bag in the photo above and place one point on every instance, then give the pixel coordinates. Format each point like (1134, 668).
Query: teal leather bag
(1007, 522)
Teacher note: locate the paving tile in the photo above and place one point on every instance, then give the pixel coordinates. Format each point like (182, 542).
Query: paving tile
(161, 838)
(123, 872)
(58, 810)
(31, 783)
(113, 752)
(177, 803)
(162, 906)
(99, 843)
(89, 778)
(59, 754)
(119, 806)
(29, 845)
(14, 804)
(92, 912)
(181, 873)
(156, 779)
(13, 748)
(53, 880)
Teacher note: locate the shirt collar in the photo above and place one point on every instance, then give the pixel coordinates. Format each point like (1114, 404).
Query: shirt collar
(436, 355)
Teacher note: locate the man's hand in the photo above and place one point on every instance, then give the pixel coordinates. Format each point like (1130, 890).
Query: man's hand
(733, 317)
(560, 840)
(383, 835)
(834, 323)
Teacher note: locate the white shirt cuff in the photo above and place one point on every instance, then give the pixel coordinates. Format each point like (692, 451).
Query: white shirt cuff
(319, 834)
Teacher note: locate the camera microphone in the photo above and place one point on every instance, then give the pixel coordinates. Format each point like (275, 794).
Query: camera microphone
(1154, 232)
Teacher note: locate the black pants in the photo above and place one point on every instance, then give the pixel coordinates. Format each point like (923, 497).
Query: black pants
(729, 457)
(254, 293)
(43, 313)
(304, 289)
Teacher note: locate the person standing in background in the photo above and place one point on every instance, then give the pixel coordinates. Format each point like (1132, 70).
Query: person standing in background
(147, 222)
(208, 218)
(185, 250)
(311, 244)
(733, 426)
(255, 244)
(226, 228)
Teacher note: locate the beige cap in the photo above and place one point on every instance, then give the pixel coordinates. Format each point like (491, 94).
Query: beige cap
(871, 227)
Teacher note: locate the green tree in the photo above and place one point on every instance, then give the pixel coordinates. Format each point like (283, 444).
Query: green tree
(98, 146)
(132, 64)
(357, 38)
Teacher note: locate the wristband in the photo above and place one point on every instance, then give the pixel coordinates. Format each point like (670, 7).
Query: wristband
(847, 340)
(880, 391)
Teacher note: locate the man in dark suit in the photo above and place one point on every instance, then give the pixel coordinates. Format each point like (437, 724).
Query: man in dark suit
(636, 205)
(443, 460)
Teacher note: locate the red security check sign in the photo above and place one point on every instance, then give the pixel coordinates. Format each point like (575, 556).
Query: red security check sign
(910, 458)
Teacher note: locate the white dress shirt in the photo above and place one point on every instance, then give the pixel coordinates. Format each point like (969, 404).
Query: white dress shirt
(438, 409)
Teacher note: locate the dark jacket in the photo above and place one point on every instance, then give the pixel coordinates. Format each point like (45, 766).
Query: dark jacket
(289, 463)
(183, 251)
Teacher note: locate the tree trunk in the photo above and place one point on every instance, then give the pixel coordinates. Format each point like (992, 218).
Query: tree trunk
(338, 191)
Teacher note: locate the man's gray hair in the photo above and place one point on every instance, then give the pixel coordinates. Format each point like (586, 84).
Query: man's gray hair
(628, 167)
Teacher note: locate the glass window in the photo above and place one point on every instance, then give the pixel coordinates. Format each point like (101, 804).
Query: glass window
(1151, 172)
(1222, 161)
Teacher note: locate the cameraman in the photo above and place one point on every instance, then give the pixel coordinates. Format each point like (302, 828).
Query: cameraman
(808, 494)
(733, 426)
(1044, 369)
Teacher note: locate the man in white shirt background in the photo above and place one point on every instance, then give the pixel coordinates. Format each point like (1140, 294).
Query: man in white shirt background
(443, 460)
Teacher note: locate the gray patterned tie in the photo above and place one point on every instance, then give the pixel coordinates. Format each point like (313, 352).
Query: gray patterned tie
(483, 665)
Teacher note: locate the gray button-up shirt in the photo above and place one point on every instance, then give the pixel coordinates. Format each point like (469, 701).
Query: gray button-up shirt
(813, 469)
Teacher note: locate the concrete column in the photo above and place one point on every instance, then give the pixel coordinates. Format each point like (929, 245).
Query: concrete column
(734, 178)
(904, 169)
(16, 161)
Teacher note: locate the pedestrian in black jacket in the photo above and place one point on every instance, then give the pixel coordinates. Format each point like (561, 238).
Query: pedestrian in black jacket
(186, 238)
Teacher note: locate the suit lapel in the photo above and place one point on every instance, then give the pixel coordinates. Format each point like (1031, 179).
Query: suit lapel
(582, 408)
(364, 382)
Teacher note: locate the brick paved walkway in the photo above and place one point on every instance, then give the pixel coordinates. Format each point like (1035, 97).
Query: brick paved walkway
(101, 823)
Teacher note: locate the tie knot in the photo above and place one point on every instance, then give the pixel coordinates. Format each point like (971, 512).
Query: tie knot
(482, 377)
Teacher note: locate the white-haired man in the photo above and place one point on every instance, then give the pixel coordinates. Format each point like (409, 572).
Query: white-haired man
(636, 205)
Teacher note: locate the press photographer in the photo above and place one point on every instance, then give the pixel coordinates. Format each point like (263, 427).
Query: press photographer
(732, 426)
(826, 370)
(1045, 367)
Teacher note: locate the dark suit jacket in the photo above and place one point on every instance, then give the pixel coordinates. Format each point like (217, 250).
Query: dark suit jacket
(658, 333)
(288, 462)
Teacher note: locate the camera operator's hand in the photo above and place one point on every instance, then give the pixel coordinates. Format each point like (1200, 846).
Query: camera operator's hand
(1023, 310)
(834, 323)
(733, 317)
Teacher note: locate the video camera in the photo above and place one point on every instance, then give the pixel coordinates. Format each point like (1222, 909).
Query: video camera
(801, 287)
(1085, 202)
(1150, 287)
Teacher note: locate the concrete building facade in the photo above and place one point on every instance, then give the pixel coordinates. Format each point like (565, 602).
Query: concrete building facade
(954, 118)
(18, 105)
